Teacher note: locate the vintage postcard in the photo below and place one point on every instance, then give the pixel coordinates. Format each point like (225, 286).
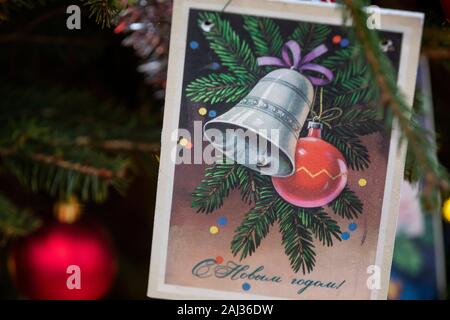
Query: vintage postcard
(278, 177)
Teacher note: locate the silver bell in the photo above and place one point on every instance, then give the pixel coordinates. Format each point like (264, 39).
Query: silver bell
(262, 130)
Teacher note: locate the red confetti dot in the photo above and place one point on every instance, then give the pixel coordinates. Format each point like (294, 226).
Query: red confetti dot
(336, 39)
(219, 260)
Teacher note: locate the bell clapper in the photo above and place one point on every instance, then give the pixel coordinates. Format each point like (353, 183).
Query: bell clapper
(262, 161)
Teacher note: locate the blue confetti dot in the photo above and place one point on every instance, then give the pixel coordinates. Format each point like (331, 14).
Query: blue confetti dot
(345, 236)
(222, 221)
(214, 66)
(352, 226)
(246, 286)
(344, 42)
(194, 45)
(212, 113)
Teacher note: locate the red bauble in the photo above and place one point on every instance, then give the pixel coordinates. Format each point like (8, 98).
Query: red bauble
(39, 263)
(320, 174)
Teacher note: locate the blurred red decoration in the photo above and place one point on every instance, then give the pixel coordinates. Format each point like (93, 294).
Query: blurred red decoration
(320, 174)
(446, 7)
(39, 263)
(147, 25)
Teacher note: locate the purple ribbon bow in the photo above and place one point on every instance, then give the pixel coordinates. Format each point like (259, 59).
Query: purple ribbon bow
(299, 63)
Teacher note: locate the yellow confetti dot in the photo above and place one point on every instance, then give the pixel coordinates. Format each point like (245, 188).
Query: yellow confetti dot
(202, 111)
(362, 182)
(184, 142)
(214, 230)
(446, 210)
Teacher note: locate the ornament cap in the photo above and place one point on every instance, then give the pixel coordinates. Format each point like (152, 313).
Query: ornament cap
(315, 125)
(315, 129)
(68, 211)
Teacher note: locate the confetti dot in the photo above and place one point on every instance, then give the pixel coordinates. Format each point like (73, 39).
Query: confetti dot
(214, 230)
(212, 113)
(214, 66)
(446, 210)
(362, 182)
(202, 111)
(246, 286)
(352, 226)
(336, 39)
(194, 45)
(219, 260)
(345, 42)
(345, 236)
(184, 142)
(222, 221)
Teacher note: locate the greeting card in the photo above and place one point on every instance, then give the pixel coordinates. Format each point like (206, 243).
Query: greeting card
(279, 177)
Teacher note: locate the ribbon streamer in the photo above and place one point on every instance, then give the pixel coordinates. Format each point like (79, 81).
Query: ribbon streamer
(299, 63)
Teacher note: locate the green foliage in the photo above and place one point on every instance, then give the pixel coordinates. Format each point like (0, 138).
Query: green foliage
(218, 87)
(61, 150)
(219, 180)
(355, 153)
(234, 53)
(255, 226)
(249, 183)
(297, 241)
(358, 122)
(104, 11)
(347, 205)
(15, 222)
(266, 36)
(68, 173)
(323, 227)
(395, 107)
(309, 35)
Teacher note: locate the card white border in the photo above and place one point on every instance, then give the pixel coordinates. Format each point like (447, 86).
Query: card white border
(408, 23)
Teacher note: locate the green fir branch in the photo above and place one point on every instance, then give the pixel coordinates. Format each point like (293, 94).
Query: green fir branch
(250, 183)
(256, 224)
(266, 35)
(358, 122)
(219, 180)
(105, 11)
(217, 88)
(234, 53)
(82, 172)
(347, 205)
(297, 240)
(310, 35)
(323, 227)
(355, 153)
(395, 106)
(15, 222)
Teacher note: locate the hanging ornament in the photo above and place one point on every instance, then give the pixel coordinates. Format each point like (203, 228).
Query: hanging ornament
(65, 260)
(320, 174)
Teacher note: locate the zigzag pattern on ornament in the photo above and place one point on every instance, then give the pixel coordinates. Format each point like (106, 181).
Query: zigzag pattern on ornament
(314, 175)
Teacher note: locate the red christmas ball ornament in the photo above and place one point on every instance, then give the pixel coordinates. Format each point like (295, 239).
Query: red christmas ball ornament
(320, 174)
(64, 261)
